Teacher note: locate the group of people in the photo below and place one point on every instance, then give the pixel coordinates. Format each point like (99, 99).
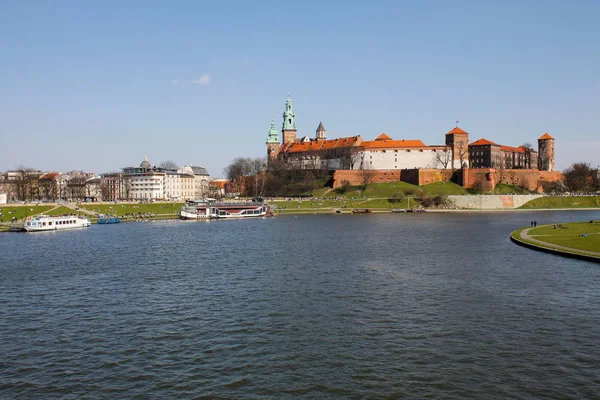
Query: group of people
(533, 224)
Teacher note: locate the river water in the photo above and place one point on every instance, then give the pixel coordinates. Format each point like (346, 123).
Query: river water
(317, 306)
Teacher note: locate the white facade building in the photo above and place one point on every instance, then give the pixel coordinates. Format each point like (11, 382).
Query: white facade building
(201, 180)
(179, 186)
(146, 186)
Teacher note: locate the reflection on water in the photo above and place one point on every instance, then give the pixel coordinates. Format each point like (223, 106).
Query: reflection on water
(398, 305)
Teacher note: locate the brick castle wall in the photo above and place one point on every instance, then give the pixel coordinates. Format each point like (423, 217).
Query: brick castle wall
(484, 178)
(488, 178)
(413, 176)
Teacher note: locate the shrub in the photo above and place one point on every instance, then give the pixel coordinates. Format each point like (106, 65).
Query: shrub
(397, 197)
(345, 187)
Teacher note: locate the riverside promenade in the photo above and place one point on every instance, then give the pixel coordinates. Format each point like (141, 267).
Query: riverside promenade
(523, 238)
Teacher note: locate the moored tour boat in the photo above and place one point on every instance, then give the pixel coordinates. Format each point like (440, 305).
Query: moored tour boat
(105, 219)
(213, 209)
(43, 222)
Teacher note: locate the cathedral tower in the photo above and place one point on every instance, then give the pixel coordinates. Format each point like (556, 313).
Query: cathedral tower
(289, 123)
(546, 153)
(321, 132)
(272, 142)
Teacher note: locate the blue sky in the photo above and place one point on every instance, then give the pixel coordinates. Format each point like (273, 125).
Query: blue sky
(97, 86)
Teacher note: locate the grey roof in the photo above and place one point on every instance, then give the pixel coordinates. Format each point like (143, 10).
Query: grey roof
(200, 171)
(321, 127)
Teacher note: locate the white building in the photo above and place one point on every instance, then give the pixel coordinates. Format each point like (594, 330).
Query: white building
(201, 180)
(144, 182)
(386, 153)
(179, 186)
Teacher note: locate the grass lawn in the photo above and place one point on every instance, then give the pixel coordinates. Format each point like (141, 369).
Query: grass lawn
(568, 235)
(9, 211)
(502, 188)
(121, 209)
(448, 188)
(388, 189)
(61, 210)
(563, 202)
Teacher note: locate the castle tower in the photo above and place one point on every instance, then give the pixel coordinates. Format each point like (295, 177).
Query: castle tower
(321, 132)
(546, 153)
(272, 142)
(289, 123)
(458, 141)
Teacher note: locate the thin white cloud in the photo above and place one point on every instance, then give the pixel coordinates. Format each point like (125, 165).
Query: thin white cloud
(175, 81)
(203, 80)
(244, 61)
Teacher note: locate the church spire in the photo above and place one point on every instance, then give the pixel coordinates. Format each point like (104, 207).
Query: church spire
(273, 134)
(321, 132)
(289, 122)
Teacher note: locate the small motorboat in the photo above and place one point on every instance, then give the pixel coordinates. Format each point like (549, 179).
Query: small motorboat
(361, 210)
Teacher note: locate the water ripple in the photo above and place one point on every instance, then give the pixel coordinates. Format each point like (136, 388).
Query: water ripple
(388, 306)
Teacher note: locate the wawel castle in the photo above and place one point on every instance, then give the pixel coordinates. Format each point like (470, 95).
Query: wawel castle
(385, 153)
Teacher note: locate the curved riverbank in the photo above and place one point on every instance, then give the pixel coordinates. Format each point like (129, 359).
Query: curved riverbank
(522, 237)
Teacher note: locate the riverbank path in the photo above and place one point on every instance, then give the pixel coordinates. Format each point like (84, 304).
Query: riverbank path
(525, 236)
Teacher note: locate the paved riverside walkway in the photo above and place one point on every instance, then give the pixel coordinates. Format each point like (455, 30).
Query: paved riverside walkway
(525, 236)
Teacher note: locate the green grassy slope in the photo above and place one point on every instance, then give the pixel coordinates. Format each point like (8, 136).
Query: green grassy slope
(563, 202)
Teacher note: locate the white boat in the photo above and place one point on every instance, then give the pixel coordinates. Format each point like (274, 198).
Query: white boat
(212, 209)
(42, 222)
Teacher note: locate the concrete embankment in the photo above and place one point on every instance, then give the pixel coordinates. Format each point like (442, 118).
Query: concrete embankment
(492, 201)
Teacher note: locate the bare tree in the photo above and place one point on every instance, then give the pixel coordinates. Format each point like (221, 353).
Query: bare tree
(169, 165)
(105, 191)
(239, 168)
(580, 177)
(76, 187)
(463, 151)
(347, 157)
(258, 169)
(512, 174)
(49, 188)
(367, 175)
(528, 148)
(442, 158)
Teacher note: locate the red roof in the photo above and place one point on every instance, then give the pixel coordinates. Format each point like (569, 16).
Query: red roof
(383, 136)
(50, 175)
(391, 144)
(316, 145)
(512, 149)
(545, 136)
(483, 142)
(457, 130)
